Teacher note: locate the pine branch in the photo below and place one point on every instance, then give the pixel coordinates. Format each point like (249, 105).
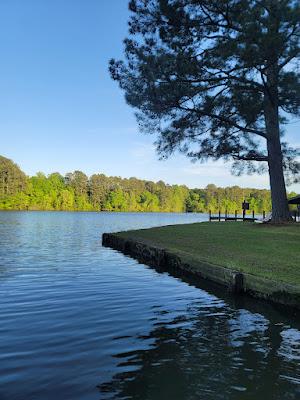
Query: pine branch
(225, 120)
(250, 157)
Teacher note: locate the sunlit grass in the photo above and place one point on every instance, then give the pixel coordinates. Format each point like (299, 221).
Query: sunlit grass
(263, 250)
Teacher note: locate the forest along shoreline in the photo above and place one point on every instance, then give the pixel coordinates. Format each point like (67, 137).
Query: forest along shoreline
(76, 191)
(254, 259)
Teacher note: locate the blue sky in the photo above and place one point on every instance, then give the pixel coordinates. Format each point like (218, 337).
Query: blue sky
(59, 109)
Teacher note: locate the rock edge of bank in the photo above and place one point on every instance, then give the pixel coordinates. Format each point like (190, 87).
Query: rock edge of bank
(237, 282)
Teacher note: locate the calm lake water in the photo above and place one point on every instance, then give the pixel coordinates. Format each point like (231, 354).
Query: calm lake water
(79, 321)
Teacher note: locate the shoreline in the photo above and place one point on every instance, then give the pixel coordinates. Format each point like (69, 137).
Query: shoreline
(108, 211)
(175, 262)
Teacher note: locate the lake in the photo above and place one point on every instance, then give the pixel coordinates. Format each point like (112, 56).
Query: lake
(80, 321)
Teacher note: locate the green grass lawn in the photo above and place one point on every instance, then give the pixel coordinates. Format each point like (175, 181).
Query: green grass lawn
(264, 250)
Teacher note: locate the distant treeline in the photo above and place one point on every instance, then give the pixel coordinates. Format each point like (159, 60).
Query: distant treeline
(77, 191)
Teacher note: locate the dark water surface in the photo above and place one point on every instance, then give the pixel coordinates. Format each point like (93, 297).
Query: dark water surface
(79, 321)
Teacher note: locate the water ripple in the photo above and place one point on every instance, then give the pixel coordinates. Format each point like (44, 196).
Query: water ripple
(79, 321)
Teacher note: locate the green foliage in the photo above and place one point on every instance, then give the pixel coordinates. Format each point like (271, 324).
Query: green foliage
(201, 74)
(217, 79)
(12, 179)
(76, 191)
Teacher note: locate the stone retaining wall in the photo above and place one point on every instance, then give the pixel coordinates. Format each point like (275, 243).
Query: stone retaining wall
(235, 281)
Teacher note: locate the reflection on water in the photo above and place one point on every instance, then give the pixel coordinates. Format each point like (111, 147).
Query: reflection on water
(79, 321)
(211, 351)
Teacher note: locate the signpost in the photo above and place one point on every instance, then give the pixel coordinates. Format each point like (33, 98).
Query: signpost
(245, 207)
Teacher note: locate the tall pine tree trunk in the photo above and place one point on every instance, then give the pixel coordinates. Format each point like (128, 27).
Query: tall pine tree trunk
(280, 209)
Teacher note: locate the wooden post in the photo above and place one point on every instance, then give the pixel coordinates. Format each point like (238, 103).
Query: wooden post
(235, 214)
(264, 215)
(253, 214)
(219, 215)
(226, 214)
(244, 214)
(295, 216)
(209, 215)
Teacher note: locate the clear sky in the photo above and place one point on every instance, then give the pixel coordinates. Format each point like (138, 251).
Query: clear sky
(59, 109)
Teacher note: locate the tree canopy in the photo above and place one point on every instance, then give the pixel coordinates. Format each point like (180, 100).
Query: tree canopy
(12, 179)
(217, 79)
(76, 191)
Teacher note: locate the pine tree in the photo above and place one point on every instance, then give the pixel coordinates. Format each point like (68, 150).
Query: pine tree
(216, 79)
(12, 179)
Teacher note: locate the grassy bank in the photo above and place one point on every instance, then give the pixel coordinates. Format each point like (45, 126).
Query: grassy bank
(261, 250)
